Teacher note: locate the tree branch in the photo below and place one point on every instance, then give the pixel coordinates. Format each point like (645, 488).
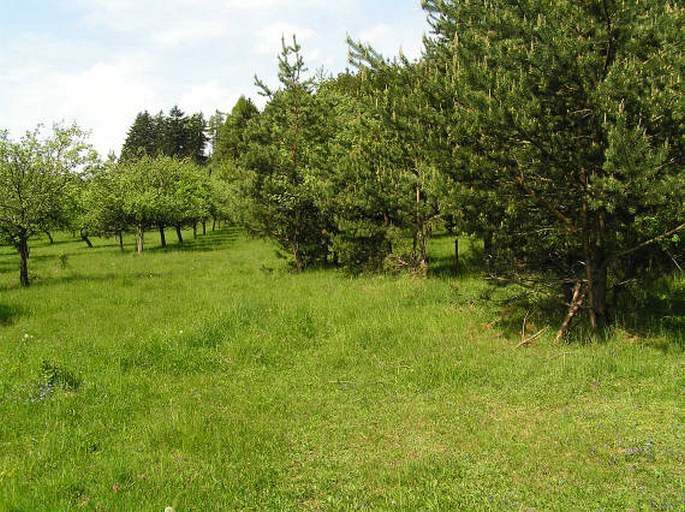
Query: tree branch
(649, 242)
(576, 304)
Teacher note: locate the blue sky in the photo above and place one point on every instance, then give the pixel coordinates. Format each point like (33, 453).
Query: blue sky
(100, 62)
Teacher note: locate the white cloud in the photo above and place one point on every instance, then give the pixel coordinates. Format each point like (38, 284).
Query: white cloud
(200, 54)
(106, 96)
(384, 39)
(376, 35)
(269, 38)
(103, 98)
(207, 98)
(192, 32)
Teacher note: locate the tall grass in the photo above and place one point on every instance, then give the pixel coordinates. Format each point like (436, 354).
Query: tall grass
(209, 377)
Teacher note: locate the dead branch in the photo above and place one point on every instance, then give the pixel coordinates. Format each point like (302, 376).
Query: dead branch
(523, 327)
(576, 303)
(529, 340)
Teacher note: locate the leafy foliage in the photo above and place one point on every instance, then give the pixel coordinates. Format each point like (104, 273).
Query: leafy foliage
(36, 173)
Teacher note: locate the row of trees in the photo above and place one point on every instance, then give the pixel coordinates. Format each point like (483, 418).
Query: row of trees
(552, 130)
(55, 180)
(174, 135)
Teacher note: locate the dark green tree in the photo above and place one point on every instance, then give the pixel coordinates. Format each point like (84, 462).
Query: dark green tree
(287, 150)
(570, 115)
(143, 138)
(175, 135)
(231, 142)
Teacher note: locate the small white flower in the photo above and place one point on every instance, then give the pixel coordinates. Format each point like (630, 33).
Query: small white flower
(169, 509)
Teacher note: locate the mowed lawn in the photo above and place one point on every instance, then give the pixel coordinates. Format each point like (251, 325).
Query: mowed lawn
(209, 377)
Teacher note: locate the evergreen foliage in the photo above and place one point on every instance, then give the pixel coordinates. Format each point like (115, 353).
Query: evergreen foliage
(569, 118)
(174, 135)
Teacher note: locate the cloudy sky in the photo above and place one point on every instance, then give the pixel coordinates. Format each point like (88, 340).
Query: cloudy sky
(100, 62)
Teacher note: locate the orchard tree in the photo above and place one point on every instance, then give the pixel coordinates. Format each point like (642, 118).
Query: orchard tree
(159, 192)
(103, 203)
(573, 115)
(35, 176)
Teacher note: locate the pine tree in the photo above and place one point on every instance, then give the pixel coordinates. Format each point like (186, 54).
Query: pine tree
(287, 148)
(571, 115)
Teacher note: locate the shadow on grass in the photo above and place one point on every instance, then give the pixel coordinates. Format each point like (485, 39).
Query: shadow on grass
(442, 260)
(126, 280)
(656, 312)
(8, 314)
(212, 241)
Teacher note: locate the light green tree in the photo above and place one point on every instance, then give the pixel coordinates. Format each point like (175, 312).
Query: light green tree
(35, 177)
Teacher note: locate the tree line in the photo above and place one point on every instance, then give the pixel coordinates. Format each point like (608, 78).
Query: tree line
(554, 131)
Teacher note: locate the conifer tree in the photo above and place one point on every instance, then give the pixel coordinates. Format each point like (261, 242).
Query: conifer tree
(143, 138)
(571, 114)
(286, 152)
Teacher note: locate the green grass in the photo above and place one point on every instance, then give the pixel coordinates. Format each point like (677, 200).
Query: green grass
(208, 377)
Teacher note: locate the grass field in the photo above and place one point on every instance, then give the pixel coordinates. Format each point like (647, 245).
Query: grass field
(208, 377)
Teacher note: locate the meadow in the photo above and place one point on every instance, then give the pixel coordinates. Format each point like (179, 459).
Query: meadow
(209, 377)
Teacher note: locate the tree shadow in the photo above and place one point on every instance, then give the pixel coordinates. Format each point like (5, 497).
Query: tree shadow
(655, 315)
(9, 313)
(212, 241)
(655, 311)
(443, 263)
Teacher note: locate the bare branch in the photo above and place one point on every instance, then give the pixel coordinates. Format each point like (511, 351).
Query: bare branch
(576, 304)
(535, 336)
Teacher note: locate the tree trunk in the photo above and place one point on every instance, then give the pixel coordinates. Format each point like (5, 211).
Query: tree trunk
(423, 253)
(52, 240)
(141, 239)
(213, 223)
(487, 250)
(204, 227)
(456, 254)
(84, 237)
(162, 236)
(297, 254)
(22, 247)
(121, 241)
(597, 272)
(179, 234)
(195, 231)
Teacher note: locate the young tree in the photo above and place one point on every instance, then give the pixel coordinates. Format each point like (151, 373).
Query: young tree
(384, 182)
(574, 113)
(288, 143)
(35, 174)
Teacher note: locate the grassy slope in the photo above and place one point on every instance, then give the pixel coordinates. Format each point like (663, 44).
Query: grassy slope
(212, 379)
